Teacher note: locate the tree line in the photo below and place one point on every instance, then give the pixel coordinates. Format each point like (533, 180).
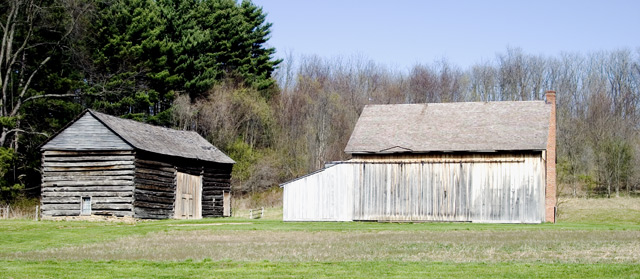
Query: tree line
(598, 97)
(131, 58)
(205, 65)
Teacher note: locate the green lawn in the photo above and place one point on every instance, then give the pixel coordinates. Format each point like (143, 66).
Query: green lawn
(268, 269)
(580, 245)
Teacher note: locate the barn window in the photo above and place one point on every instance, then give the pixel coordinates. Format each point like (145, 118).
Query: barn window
(85, 206)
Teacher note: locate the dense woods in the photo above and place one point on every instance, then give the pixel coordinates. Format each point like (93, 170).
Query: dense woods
(206, 66)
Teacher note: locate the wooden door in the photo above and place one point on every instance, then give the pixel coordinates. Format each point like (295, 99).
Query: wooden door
(226, 204)
(188, 203)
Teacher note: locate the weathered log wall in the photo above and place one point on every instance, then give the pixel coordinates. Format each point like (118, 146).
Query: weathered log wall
(446, 187)
(155, 189)
(105, 176)
(156, 185)
(216, 179)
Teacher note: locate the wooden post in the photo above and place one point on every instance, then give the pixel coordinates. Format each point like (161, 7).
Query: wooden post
(250, 213)
(37, 211)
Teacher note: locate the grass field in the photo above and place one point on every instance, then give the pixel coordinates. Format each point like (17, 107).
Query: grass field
(592, 239)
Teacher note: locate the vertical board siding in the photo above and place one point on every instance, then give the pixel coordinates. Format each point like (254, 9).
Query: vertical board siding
(325, 196)
(87, 133)
(467, 188)
(105, 176)
(188, 203)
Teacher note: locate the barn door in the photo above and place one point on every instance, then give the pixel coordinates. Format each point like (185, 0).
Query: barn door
(188, 197)
(226, 204)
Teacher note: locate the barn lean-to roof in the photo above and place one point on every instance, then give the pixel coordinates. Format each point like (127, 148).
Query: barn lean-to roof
(159, 140)
(451, 127)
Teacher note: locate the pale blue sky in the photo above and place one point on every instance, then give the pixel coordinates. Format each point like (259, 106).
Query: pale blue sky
(402, 33)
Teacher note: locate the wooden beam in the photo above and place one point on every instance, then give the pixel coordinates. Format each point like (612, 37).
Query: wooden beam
(154, 198)
(167, 194)
(154, 187)
(76, 153)
(94, 199)
(84, 194)
(152, 205)
(58, 206)
(111, 206)
(89, 189)
(88, 183)
(155, 178)
(171, 173)
(154, 163)
(152, 182)
(89, 173)
(86, 178)
(88, 168)
(52, 212)
(89, 158)
(86, 164)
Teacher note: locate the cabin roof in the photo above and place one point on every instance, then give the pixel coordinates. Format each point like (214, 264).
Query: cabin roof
(161, 140)
(450, 127)
(155, 139)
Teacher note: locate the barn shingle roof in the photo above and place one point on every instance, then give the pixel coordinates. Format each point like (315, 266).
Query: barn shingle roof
(448, 127)
(165, 141)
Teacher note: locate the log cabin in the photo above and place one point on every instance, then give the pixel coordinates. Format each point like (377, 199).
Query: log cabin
(101, 165)
(491, 162)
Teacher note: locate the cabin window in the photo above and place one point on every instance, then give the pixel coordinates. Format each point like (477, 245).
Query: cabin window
(85, 206)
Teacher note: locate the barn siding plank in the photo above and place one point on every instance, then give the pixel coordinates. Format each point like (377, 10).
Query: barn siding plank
(447, 187)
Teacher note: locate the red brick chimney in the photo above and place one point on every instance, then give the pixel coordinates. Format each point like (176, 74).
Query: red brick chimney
(550, 189)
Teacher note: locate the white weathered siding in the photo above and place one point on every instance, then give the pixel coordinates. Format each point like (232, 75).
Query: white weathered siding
(323, 196)
(477, 188)
(87, 133)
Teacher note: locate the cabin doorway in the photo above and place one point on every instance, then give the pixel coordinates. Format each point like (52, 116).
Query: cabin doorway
(188, 203)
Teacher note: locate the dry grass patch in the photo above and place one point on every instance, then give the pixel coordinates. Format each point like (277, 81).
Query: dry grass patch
(449, 246)
(623, 210)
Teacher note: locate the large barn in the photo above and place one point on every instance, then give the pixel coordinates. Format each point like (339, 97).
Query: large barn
(109, 166)
(464, 162)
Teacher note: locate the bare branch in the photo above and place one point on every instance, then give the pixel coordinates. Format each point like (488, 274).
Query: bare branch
(26, 132)
(26, 86)
(48, 96)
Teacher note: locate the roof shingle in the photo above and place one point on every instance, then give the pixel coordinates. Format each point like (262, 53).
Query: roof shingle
(186, 144)
(471, 126)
